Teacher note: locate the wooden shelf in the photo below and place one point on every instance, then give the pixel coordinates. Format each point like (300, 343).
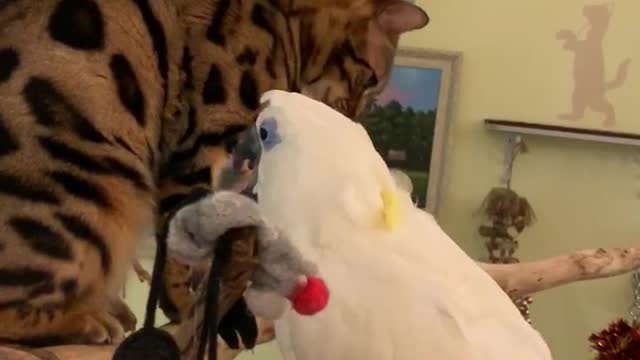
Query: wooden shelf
(602, 136)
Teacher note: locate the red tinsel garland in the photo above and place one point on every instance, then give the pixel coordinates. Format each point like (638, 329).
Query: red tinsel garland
(620, 341)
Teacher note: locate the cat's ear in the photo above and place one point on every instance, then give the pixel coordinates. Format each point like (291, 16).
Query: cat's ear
(399, 16)
(389, 20)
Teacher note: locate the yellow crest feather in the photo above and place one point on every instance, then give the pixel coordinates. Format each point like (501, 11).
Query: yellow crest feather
(391, 214)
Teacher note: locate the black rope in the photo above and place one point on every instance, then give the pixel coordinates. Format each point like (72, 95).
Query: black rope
(156, 344)
(156, 280)
(151, 343)
(209, 332)
(210, 320)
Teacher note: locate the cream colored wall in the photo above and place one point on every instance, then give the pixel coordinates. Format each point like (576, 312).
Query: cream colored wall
(585, 194)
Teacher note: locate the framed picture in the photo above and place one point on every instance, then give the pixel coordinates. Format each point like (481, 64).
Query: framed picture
(410, 120)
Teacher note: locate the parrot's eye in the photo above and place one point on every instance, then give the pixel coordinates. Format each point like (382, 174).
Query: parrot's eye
(269, 133)
(263, 133)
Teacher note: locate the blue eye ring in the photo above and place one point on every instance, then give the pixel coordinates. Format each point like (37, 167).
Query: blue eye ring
(268, 132)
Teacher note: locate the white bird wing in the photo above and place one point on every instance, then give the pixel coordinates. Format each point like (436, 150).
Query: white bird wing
(401, 299)
(371, 315)
(283, 337)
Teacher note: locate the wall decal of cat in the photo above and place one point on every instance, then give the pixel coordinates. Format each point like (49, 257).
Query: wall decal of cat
(590, 83)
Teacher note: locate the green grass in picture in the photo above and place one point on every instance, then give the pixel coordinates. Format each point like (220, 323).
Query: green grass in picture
(419, 179)
(401, 123)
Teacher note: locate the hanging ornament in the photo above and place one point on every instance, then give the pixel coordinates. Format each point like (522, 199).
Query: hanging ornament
(508, 214)
(634, 311)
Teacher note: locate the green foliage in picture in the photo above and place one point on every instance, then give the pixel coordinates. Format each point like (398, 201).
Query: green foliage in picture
(420, 181)
(404, 138)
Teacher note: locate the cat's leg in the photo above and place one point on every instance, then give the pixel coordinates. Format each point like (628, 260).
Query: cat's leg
(604, 106)
(579, 105)
(57, 323)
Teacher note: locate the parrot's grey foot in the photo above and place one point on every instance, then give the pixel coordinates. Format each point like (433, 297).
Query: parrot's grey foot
(196, 227)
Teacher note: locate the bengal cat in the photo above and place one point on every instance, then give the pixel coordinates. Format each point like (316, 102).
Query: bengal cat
(112, 111)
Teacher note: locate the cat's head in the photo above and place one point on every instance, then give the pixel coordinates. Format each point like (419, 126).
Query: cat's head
(347, 49)
(596, 12)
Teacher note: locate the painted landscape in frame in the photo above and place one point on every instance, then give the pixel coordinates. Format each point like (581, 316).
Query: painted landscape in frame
(402, 123)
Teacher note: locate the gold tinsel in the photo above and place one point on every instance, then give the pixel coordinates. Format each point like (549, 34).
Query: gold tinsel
(620, 341)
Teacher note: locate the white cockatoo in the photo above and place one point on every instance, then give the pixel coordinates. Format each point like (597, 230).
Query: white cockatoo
(400, 287)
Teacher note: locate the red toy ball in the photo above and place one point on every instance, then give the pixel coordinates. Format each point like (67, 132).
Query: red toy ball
(310, 298)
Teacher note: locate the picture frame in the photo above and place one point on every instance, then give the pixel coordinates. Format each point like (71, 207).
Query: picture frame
(423, 86)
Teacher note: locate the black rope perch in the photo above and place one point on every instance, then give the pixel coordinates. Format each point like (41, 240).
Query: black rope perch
(209, 332)
(152, 343)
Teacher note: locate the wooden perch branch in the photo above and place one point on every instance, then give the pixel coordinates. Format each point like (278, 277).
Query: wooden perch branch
(266, 333)
(521, 279)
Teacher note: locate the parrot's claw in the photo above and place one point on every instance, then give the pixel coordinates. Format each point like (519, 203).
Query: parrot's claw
(197, 226)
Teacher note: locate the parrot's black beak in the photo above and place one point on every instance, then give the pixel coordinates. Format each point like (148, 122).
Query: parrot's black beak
(248, 149)
(240, 173)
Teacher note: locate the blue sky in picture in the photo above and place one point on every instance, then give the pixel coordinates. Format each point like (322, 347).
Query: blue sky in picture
(413, 86)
